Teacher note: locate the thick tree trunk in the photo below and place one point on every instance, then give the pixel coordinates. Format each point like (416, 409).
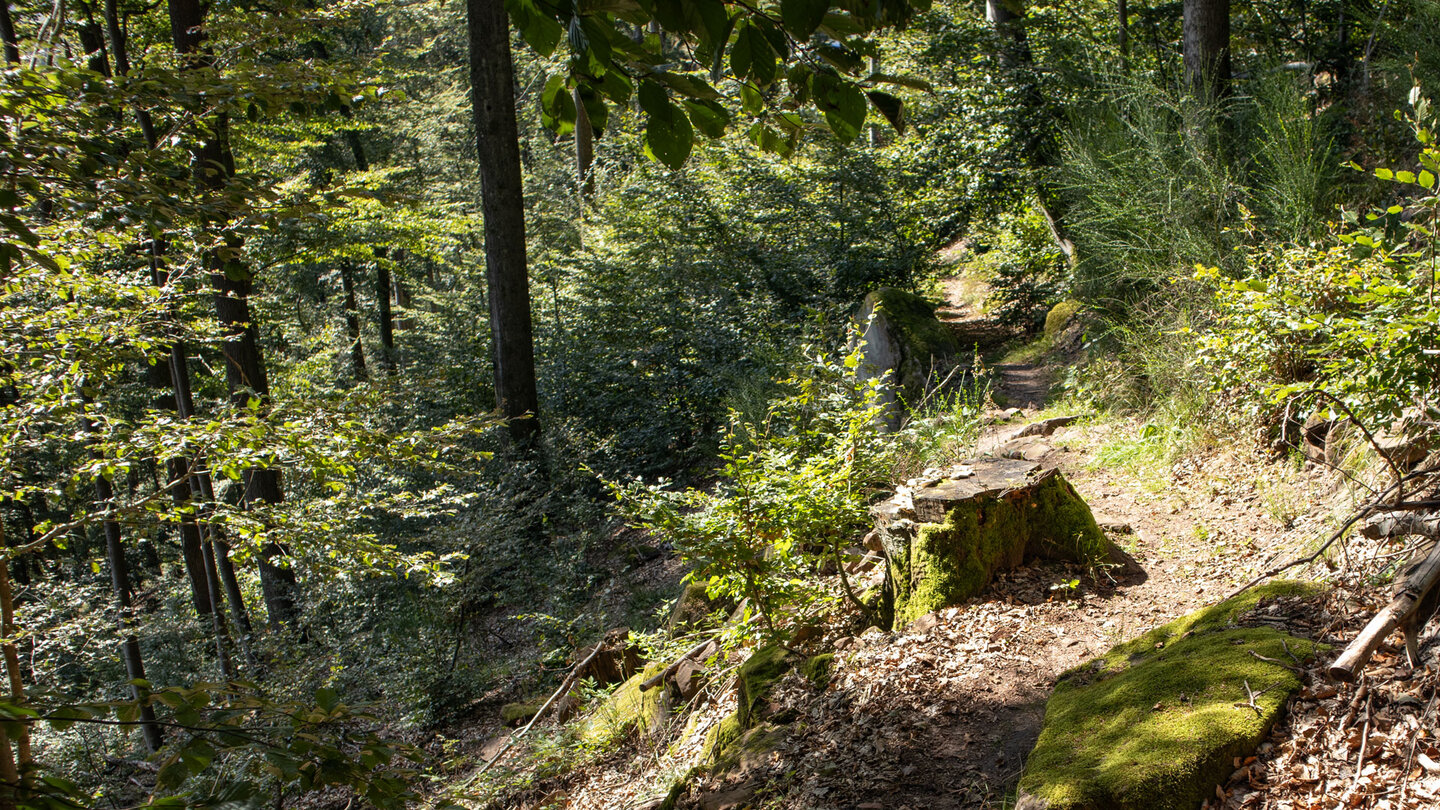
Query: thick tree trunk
(7, 34)
(130, 644)
(1207, 48)
(492, 79)
(352, 322)
(190, 552)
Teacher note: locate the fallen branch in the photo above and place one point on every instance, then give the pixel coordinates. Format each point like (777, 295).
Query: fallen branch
(693, 651)
(564, 687)
(1364, 511)
(1411, 590)
(1397, 523)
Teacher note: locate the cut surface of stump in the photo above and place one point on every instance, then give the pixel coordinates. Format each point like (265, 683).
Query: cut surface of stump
(965, 529)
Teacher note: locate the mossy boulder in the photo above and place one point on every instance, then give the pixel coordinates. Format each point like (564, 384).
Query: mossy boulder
(760, 672)
(1060, 317)
(628, 709)
(1157, 721)
(987, 526)
(905, 339)
(817, 669)
(513, 714)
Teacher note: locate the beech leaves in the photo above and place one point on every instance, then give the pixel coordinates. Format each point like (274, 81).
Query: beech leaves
(769, 63)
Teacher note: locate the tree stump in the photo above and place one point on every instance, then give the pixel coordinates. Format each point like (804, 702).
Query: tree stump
(946, 538)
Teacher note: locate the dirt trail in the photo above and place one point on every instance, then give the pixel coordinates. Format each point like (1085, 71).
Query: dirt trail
(943, 716)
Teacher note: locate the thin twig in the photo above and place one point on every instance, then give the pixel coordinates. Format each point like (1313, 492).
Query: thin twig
(564, 687)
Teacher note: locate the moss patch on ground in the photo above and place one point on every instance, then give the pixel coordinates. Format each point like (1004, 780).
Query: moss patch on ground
(952, 561)
(1150, 726)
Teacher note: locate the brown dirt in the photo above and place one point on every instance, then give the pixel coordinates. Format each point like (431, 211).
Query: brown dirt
(943, 716)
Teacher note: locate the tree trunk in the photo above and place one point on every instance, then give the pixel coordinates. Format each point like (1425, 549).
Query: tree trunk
(1207, 48)
(12, 670)
(1122, 11)
(190, 552)
(232, 280)
(387, 315)
(118, 48)
(130, 644)
(352, 322)
(1008, 19)
(7, 34)
(584, 149)
(498, 143)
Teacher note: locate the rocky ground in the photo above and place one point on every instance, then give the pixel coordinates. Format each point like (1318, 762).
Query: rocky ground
(943, 714)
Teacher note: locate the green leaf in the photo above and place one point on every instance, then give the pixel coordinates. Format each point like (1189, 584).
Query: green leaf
(889, 106)
(557, 108)
(686, 85)
(843, 104)
(708, 117)
(1405, 177)
(1385, 174)
(1426, 179)
(802, 17)
(668, 135)
(539, 30)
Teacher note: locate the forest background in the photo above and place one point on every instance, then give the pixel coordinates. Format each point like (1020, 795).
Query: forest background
(268, 526)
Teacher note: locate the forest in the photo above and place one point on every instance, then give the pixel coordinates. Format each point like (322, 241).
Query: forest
(486, 404)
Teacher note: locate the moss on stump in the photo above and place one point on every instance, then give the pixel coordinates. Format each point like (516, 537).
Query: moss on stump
(1157, 722)
(946, 563)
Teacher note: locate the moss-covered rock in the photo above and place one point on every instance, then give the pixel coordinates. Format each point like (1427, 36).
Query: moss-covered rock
(946, 563)
(766, 666)
(817, 669)
(1060, 316)
(628, 709)
(513, 714)
(748, 749)
(905, 339)
(1157, 722)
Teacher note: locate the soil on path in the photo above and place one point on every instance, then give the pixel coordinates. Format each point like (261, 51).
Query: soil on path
(943, 714)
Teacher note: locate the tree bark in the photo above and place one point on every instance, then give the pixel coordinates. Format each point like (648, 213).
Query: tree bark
(12, 670)
(232, 281)
(352, 322)
(7, 34)
(1122, 11)
(1207, 48)
(492, 82)
(584, 149)
(386, 313)
(129, 644)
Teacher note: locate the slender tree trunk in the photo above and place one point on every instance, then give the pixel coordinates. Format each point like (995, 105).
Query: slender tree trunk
(387, 314)
(352, 322)
(9, 771)
(1034, 133)
(584, 149)
(116, 34)
(1207, 48)
(1122, 11)
(492, 79)
(130, 644)
(232, 281)
(190, 552)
